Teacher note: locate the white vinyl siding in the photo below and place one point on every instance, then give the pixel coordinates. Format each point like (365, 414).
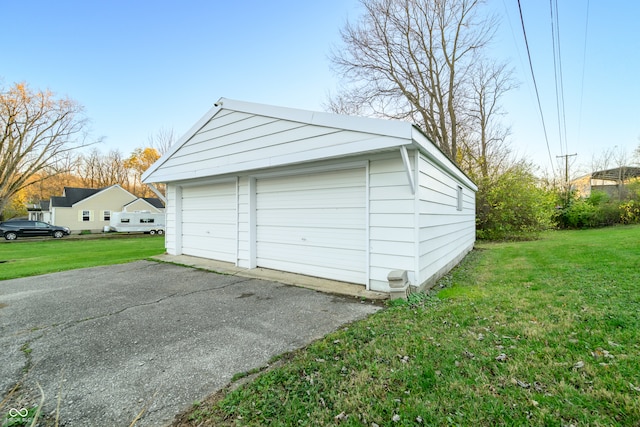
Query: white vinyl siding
(173, 205)
(392, 219)
(446, 232)
(237, 141)
(313, 224)
(209, 221)
(243, 223)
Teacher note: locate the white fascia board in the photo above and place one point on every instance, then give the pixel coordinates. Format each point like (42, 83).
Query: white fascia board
(158, 193)
(394, 128)
(325, 153)
(145, 178)
(434, 153)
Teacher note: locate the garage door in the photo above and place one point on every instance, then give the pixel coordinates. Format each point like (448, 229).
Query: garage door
(209, 221)
(313, 224)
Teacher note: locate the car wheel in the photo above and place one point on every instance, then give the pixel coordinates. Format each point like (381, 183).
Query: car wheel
(58, 234)
(10, 235)
(152, 232)
(160, 231)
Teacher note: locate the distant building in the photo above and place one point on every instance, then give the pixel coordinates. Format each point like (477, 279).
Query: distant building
(90, 208)
(610, 181)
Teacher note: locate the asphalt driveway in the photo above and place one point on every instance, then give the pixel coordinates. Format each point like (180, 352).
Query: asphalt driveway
(152, 338)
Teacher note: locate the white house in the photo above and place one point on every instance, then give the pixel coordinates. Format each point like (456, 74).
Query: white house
(338, 197)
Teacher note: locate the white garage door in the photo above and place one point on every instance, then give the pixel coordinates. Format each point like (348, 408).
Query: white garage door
(313, 224)
(209, 221)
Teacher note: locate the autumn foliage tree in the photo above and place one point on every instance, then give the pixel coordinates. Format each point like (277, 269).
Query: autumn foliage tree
(37, 129)
(139, 161)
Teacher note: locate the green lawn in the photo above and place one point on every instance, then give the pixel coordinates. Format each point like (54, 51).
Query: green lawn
(31, 257)
(542, 333)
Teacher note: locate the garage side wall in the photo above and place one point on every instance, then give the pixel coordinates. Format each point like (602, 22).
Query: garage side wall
(244, 235)
(447, 221)
(392, 220)
(172, 206)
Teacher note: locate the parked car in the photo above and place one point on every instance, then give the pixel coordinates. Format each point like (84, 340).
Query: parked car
(11, 230)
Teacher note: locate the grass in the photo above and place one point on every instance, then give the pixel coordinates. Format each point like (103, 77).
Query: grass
(541, 333)
(29, 258)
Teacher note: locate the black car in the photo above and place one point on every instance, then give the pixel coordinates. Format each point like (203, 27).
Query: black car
(12, 229)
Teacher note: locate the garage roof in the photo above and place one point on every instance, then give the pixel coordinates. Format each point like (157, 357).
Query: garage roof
(381, 135)
(623, 173)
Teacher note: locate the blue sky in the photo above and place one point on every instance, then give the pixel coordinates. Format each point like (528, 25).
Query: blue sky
(139, 66)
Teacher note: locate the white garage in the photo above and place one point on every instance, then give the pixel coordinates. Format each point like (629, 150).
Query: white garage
(313, 224)
(209, 221)
(338, 197)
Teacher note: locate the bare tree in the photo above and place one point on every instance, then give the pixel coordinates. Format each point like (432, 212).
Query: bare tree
(36, 131)
(98, 170)
(162, 140)
(609, 158)
(483, 138)
(415, 60)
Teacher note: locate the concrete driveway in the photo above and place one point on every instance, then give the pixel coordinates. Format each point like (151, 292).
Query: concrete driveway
(146, 337)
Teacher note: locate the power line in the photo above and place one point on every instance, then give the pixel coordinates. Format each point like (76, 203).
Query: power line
(584, 67)
(558, 76)
(535, 85)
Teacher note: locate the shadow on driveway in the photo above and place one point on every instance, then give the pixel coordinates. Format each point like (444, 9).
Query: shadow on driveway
(148, 337)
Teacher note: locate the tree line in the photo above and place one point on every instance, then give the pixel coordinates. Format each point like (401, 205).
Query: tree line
(89, 170)
(44, 147)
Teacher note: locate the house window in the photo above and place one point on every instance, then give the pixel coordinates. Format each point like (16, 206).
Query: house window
(86, 216)
(459, 198)
(146, 220)
(124, 220)
(106, 215)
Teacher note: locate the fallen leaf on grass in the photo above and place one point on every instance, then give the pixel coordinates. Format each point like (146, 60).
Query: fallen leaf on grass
(341, 416)
(634, 387)
(395, 418)
(501, 357)
(578, 365)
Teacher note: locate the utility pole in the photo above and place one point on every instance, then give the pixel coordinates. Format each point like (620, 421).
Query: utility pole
(566, 165)
(566, 171)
